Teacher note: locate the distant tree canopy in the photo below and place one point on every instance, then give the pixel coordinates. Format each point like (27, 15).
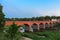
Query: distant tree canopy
(41, 18)
(2, 18)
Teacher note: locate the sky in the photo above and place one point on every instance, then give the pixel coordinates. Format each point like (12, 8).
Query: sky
(30, 8)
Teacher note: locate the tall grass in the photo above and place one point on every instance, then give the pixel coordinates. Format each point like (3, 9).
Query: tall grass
(49, 35)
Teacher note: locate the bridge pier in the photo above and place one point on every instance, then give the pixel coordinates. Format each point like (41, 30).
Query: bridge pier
(31, 30)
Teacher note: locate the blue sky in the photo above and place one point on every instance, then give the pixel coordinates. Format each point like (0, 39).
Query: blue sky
(30, 8)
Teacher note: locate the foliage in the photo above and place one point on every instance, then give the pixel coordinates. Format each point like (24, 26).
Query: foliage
(2, 18)
(12, 32)
(41, 18)
(49, 35)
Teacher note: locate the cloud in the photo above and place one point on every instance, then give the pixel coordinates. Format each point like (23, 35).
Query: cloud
(50, 12)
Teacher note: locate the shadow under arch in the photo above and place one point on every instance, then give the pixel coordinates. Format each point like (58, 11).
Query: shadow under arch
(34, 27)
(50, 25)
(26, 28)
(41, 27)
(46, 25)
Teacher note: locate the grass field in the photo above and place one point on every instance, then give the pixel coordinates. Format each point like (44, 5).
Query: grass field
(45, 35)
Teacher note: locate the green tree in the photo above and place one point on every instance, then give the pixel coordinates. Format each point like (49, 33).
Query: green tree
(2, 18)
(12, 32)
(53, 17)
(47, 18)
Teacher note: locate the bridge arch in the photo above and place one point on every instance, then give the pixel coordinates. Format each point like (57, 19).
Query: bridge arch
(34, 27)
(26, 27)
(50, 25)
(46, 25)
(41, 26)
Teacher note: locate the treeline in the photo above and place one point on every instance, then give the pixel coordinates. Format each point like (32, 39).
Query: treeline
(41, 18)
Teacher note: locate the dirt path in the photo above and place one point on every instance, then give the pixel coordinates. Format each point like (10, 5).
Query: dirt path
(25, 38)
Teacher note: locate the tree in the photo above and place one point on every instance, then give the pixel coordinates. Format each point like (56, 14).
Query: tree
(53, 17)
(47, 18)
(12, 32)
(2, 18)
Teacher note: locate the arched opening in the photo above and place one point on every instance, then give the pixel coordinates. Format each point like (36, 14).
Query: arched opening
(35, 27)
(46, 26)
(53, 23)
(41, 26)
(26, 28)
(50, 25)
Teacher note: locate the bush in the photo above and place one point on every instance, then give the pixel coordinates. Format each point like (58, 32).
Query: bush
(12, 32)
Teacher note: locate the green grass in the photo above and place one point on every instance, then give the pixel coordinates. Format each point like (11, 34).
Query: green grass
(4, 36)
(49, 35)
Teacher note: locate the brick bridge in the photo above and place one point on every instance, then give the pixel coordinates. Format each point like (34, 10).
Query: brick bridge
(35, 25)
